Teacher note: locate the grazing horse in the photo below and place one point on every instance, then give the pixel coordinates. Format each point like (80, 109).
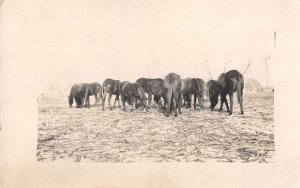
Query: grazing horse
(111, 87)
(227, 84)
(200, 89)
(156, 88)
(173, 84)
(77, 92)
(122, 89)
(92, 89)
(74, 95)
(193, 86)
(211, 86)
(144, 82)
(131, 92)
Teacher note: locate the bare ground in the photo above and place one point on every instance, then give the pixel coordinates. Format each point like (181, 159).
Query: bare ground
(134, 136)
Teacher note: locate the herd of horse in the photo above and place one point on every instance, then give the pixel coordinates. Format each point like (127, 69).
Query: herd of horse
(174, 91)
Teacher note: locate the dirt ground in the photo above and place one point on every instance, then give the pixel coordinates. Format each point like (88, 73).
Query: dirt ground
(90, 134)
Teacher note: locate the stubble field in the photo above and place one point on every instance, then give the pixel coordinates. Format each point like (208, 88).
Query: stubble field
(93, 135)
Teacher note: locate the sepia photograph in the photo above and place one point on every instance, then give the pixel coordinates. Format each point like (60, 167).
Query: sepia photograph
(156, 86)
(168, 85)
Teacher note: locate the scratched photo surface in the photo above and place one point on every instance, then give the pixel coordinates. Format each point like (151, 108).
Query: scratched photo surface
(122, 41)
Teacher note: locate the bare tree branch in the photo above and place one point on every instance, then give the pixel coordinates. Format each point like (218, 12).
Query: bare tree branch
(248, 65)
(209, 73)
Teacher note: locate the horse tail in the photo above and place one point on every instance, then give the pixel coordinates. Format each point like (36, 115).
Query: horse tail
(208, 93)
(240, 87)
(142, 96)
(86, 95)
(198, 87)
(103, 91)
(99, 93)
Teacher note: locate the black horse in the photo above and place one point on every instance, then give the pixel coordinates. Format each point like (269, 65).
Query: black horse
(111, 87)
(227, 84)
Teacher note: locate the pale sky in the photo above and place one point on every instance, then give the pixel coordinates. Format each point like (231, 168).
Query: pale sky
(74, 41)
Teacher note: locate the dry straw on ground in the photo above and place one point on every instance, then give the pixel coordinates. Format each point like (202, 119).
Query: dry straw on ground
(90, 134)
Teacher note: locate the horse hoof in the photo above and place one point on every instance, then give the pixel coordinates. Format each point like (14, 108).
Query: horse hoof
(230, 113)
(242, 112)
(175, 114)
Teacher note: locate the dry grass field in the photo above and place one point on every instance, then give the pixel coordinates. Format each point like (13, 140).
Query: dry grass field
(93, 135)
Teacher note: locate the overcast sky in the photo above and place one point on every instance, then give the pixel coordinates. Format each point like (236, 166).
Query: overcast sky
(74, 41)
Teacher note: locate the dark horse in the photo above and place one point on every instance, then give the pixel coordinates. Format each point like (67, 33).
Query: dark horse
(173, 83)
(77, 92)
(144, 82)
(193, 86)
(156, 88)
(210, 86)
(111, 87)
(227, 84)
(122, 89)
(131, 92)
(92, 89)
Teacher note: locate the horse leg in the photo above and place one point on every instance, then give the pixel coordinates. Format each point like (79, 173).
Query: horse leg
(123, 102)
(96, 99)
(103, 98)
(115, 101)
(118, 98)
(175, 101)
(77, 101)
(222, 101)
(149, 100)
(231, 103)
(189, 100)
(179, 104)
(169, 97)
(201, 100)
(109, 100)
(195, 100)
(240, 96)
(88, 102)
(81, 101)
(226, 103)
(182, 99)
(136, 103)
